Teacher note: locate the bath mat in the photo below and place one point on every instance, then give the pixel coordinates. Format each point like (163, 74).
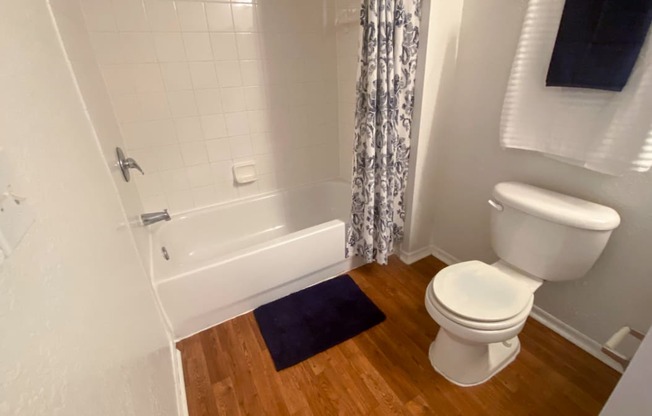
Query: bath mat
(312, 320)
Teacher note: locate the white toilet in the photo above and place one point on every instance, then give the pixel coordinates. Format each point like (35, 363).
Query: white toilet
(538, 235)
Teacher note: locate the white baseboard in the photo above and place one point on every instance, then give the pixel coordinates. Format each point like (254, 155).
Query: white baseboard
(444, 256)
(409, 257)
(182, 400)
(573, 335)
(555, 324)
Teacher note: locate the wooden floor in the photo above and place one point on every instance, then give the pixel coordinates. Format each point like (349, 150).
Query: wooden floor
(385, 371)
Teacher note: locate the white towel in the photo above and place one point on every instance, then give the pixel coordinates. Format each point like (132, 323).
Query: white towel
(609, 132)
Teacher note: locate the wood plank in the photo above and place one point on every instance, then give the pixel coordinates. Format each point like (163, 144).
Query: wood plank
(386, 370)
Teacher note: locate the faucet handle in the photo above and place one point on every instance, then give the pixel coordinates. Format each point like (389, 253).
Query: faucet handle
(132, 164)
(126, 163)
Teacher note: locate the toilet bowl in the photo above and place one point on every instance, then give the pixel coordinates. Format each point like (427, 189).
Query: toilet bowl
(539, 235)
(478, 332)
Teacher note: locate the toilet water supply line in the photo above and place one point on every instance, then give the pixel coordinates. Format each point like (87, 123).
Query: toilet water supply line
(609, 348)
(497, 205)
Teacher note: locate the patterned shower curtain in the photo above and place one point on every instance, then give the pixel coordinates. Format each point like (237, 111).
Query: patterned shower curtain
(383, 118)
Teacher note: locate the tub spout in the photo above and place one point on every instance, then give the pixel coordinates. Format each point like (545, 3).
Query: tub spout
(154, 217)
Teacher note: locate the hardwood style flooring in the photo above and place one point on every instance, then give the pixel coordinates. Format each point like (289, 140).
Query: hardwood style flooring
(386, 371)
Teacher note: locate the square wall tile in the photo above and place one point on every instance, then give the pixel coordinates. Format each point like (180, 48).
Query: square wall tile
(222, 170)
(182, 103)
(248, 46)
(240, 146)
(169, 47)
(152, 106)
(198, 47)
(253, 72)
(148, 185)
(205, 196)
(218, 150)
(119, 79)
(162, 16)
(154, 203)
(213, 126)
(224, 46)
(237, 124)
(147, 78)
(107, 47)
(226, 191)
(194, 153)
(174, 180)
(244, 17)
(203, 75)
(168, 157)
(99, 16)
(228, 73)
(179, 200)
(233, 99)
(188, 129)
(176, 76)
(200, 175)
(267, 183)
(259, 121)
(262, 143)
(130, 16)
(219, 17)
(256, 98)
(192, 17)
(208, 101)
(247, 189)
(138, 47)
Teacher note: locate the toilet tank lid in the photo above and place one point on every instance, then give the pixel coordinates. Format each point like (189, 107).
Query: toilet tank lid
(556, 207)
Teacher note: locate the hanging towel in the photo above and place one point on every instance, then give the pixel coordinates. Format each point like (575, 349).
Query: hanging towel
(606, 131)
(598, 43)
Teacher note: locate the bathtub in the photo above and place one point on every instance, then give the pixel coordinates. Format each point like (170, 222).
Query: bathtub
(212, 264)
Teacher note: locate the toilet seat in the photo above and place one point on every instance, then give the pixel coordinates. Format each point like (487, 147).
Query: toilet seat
(479, 296)
(495, 326)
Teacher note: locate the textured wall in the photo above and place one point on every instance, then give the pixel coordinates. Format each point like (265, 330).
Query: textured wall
(198, 86)
(80, 331)
(76, 40)
(469, 161)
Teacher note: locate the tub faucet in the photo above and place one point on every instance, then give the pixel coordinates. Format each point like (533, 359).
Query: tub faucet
(154, 217)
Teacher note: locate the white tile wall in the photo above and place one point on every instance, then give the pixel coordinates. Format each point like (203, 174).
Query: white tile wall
(197, 86)
(347, 64)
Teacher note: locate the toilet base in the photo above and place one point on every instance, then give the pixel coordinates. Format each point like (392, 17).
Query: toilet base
(468, 364)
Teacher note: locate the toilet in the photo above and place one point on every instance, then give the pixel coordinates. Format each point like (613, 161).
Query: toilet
(538, 235)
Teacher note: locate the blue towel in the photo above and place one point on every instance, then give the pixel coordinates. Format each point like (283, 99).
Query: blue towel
(598, 43)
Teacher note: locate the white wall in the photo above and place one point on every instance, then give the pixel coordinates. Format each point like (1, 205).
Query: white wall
(70, 23)
(80, 330)
(468, 162)
(348, 34)
(440, 25)
(198, 86)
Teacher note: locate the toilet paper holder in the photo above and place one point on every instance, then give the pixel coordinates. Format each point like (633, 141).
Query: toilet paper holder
(609, 347)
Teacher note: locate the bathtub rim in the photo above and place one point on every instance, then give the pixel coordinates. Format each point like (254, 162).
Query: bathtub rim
(253, 249)
(153, 230)
(238, 201)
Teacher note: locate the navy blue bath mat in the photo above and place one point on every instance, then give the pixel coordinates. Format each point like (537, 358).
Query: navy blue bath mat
(312, 320)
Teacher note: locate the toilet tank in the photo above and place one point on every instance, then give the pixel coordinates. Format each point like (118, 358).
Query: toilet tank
(547, 234)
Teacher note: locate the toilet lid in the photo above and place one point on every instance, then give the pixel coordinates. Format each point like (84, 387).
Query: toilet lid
(478, 291)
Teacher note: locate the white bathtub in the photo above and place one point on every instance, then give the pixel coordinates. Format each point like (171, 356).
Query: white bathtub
(230, 258)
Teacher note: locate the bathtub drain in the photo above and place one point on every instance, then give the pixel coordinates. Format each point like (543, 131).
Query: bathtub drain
(166, 255)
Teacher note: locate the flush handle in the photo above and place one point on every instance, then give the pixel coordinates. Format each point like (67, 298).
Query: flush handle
(496, 205)
(126, 163)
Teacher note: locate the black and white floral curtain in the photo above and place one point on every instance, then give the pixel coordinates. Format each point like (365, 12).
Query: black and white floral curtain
(383, 118)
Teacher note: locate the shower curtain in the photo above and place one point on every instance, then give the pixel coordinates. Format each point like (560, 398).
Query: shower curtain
(383, 118)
